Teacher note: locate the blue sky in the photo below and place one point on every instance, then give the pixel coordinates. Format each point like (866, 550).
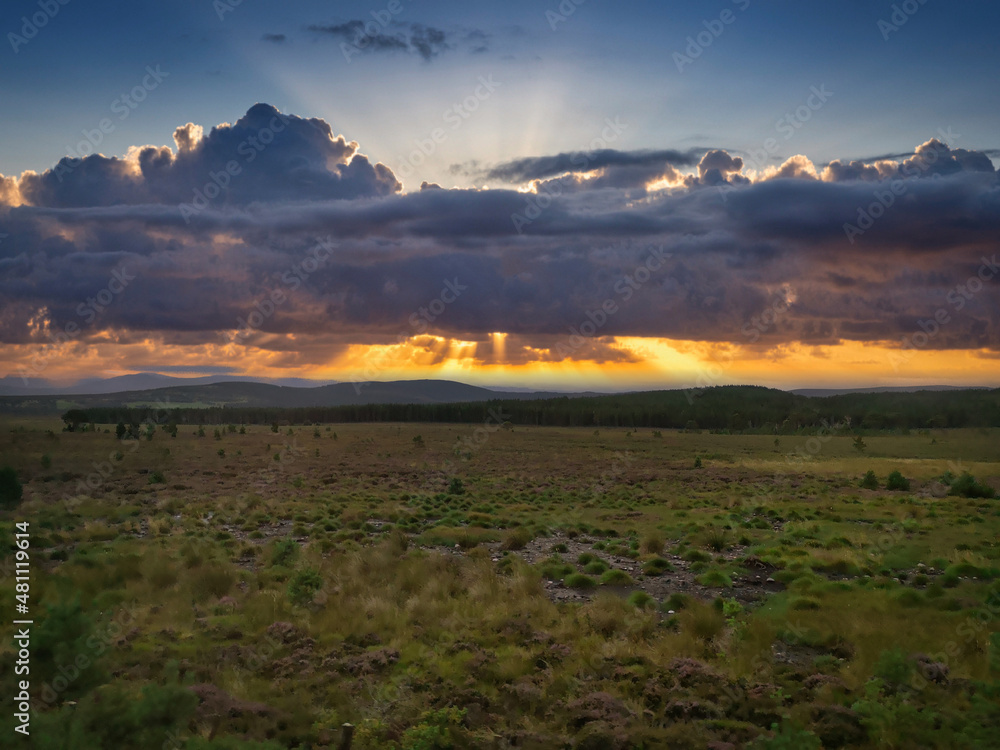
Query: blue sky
(605, 60)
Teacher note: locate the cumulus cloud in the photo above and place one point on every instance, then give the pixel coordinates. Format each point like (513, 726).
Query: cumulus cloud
(265, 155)
(797, 167)
(690, 263)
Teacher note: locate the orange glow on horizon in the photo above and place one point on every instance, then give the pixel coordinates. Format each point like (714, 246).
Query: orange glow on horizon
(501, 359)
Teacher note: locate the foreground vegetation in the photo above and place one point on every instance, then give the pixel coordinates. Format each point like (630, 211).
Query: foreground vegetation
(443, 586)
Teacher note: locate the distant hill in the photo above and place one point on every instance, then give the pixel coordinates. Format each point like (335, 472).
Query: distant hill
(266, 395)
(13, 385)
(824, 392)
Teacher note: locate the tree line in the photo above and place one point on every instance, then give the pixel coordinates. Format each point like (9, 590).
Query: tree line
(744, 409)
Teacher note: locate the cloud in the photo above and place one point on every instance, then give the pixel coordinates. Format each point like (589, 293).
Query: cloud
(571, 162)
(730, 249)
(428, 42)
(263, 156)
(275, 38)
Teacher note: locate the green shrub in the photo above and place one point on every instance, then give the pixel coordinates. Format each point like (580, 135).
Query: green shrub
(676, 601)
(656, 567)
(641, 600)
(695, 555)
(114, 716)
(11, 490)
(715, 579)
(284, 552)
(788, 738)
(615, 577)
(579, 581)
(870, 481)
(303, 586)
(967, 486)
(652, 543)
(893, 667)
(595, 567)
(897, 482)
(516, 539)
(555, 569)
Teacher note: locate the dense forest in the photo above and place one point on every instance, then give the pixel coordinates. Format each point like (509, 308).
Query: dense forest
(743, 409)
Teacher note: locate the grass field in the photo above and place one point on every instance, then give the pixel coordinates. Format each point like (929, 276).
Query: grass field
(444, 586)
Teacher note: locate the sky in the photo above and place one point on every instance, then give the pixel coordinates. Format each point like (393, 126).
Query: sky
(573, 195)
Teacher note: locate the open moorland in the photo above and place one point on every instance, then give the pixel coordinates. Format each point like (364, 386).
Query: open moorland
(488, 586)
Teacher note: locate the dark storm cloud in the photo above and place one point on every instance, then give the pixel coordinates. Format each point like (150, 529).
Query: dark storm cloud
(414, 38)
(542, 167)
(705, 258)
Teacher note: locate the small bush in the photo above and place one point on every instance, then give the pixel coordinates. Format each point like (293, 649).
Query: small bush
(897, 482)
(11, 490)
(967, 486)
(555, 569)
(893, 668)
(284, 552)
(717, 539)
(615, 577)
(870, 481)
(676, 601)
(303, 586)
(693, 556)
(652, 543)
(579, 581)
(516, 539)
(656, 567)
(641, 600)
(595, 567)
(715, 579)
